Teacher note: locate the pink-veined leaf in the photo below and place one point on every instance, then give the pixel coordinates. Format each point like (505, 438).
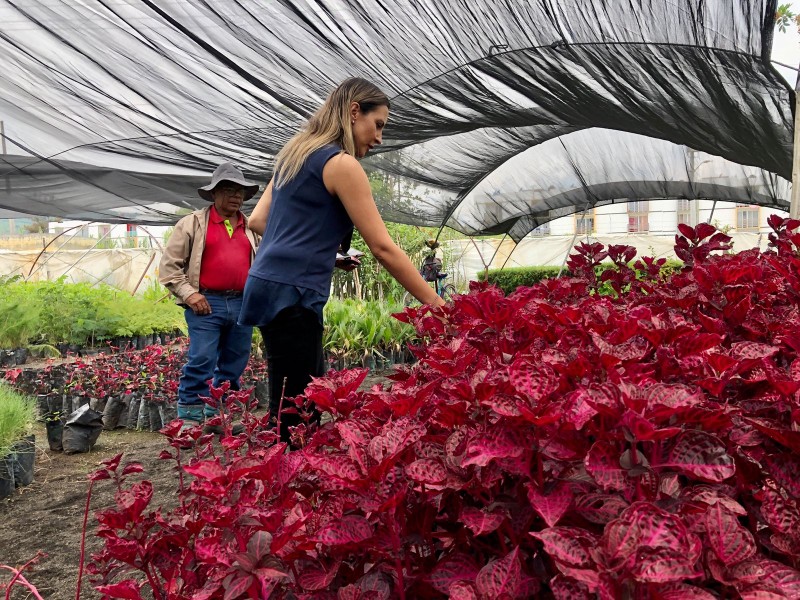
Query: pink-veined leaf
(602, 463)
(479, 521)
(236, 585)
(752, 350)
(731, 542)
(552, 504)
(785, 469)
(427, 470)
(536, 381)
(680, 591)
(569, 545)
(462, 590)
(700, 455)
(498, 442)
(350, 529)
(318, 577)
(565, 588)
(453, 569)
(599, 508)
(644, 525)
(259, 545)
(663, 565)
(500, 577)
(782, 514)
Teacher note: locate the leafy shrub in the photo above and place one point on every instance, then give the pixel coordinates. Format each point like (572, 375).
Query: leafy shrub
(358, 330)
(56, 312)
(555, 443)
(510, 279)
(17, 415)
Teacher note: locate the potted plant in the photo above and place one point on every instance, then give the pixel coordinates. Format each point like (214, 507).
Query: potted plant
(17, 416)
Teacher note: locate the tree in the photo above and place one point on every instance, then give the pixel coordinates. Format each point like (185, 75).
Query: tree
(38, 225)
(784, 17)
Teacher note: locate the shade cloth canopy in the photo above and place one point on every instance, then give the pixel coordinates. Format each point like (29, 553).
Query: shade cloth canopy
(505, 113)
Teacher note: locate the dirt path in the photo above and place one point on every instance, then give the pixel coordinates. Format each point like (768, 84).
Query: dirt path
(48, 514)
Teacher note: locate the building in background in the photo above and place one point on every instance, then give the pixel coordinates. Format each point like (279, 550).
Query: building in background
(661, 218)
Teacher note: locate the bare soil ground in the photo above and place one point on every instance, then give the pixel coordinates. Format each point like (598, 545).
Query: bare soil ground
(48, 514)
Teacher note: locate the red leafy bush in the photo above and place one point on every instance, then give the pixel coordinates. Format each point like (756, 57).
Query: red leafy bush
(553, 443)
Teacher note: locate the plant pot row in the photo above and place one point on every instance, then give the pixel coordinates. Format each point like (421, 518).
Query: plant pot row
(16, 468)
(134, 412)
(13, 357)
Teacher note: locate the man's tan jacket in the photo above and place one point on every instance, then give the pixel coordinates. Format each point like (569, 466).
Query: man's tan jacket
(179, 270)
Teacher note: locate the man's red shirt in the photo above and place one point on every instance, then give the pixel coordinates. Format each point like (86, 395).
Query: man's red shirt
(226, 258)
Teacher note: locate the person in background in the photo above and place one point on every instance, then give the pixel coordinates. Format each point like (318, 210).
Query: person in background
(205, 265)
(318, 193)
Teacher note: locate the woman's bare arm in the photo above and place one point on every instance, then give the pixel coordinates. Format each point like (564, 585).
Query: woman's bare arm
(344, 177)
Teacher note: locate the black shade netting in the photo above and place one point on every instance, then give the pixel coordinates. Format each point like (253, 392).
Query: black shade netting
(505, 113)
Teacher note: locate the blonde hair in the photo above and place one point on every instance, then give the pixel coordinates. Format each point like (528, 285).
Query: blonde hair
(329, 125)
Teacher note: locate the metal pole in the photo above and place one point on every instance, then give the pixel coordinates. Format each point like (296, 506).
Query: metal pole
(3, 147)
(107, 233)
(794, 207)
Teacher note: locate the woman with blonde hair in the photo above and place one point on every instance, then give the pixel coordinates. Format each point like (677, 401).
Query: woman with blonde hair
(318, 193)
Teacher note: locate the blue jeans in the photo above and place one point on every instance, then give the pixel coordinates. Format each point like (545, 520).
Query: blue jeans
(218, 349)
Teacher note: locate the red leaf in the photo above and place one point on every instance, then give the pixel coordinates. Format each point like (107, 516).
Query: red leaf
(536, 381)
(351, 529)
(498, 442)
(568, 545)
(664, 399)
(564, 588)
(752, 350)
(785, 469)
(644, 525)
(127, 589)
(602, 463)
(317, 577)
(259, 544)
(600, 508)
(700, 455)
(237, 585)
(663, 565)
(210, 470)
(133, 467)
(551, 505)
(480, 521)
(462, 591)
(453, 569)
(427, 471)
(135, 499)
(501, 577)
(697, 343)
(680, 591)
(731, 542)
(782, 435)
(782, 514)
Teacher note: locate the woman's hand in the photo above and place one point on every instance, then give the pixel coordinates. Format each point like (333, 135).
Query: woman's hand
(348, 263)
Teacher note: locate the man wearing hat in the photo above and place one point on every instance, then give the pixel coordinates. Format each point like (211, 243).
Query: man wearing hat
(205, 266)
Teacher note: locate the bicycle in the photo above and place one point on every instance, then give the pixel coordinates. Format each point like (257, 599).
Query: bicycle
(431, 271)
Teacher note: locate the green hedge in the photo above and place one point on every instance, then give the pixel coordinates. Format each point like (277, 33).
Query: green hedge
(53, 312)
(509, 280)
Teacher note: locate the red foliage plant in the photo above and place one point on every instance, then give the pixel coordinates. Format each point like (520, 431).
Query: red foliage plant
(555, 443)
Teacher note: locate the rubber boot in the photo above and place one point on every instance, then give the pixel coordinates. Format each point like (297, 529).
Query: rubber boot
(210, 413)
(191, 415)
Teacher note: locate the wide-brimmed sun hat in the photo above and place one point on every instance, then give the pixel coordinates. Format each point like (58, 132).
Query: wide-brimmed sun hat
(227, 172)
